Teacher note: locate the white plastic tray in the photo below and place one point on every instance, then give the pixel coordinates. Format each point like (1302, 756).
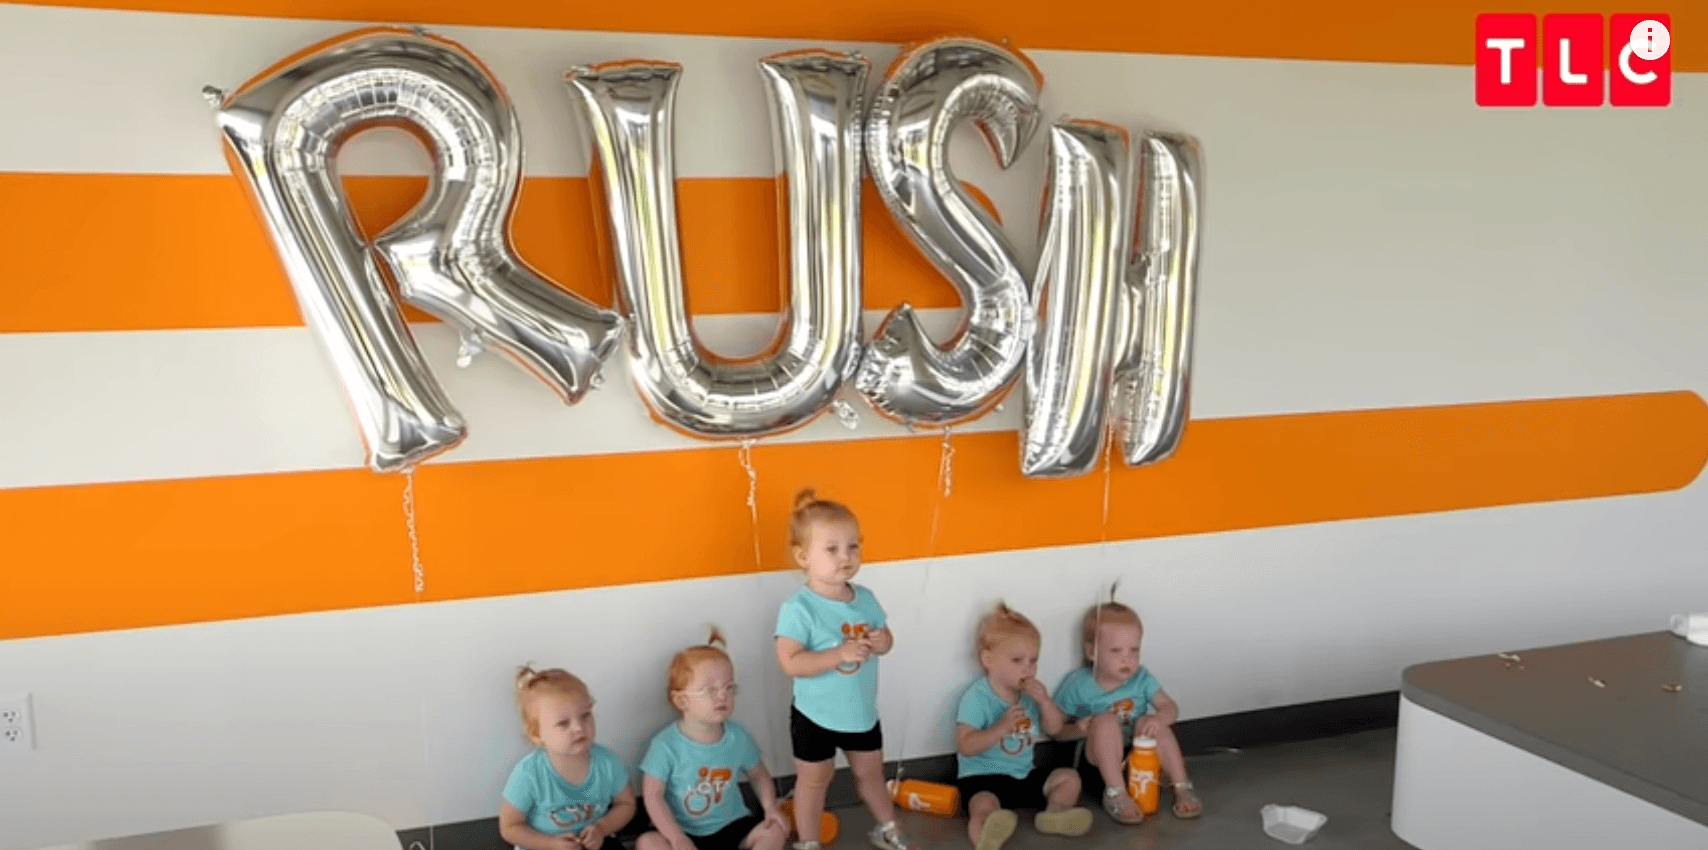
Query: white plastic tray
(1291, 823)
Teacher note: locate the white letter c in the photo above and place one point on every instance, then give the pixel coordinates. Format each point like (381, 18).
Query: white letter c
(1642, 79)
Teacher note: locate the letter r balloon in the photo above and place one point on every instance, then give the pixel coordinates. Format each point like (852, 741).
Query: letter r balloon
(451, 255)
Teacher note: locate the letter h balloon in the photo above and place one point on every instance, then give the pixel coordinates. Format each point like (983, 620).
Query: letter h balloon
(1098, 333)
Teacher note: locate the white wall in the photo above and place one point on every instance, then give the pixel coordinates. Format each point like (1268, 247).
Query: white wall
(406, 713)
(1372, 240)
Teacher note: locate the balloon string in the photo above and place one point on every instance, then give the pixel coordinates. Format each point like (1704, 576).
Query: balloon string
(414, 539)
(1108, 472)
(745, 455)
(427, 770)
(420, 587)
(945, 466)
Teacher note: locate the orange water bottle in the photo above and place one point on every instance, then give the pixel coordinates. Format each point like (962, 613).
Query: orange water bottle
(917, 795)
(828, 824)
(1143, 767)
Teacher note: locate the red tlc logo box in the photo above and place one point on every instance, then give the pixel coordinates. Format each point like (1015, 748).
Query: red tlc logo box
(1631, 67)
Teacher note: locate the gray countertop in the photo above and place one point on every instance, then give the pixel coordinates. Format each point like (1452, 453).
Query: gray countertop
(1630, 732)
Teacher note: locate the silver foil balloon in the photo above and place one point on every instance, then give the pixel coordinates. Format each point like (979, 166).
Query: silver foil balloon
(1086, 246)
(451, 255)
(929, 90)
(1116, 289)
(816, 99)
(1152, 383)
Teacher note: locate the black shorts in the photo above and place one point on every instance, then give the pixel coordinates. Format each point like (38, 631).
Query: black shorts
(1010, 793)
(814, 743)
(728, 838)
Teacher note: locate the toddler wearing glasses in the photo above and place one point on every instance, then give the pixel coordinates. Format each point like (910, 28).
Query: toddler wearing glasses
(690, 772)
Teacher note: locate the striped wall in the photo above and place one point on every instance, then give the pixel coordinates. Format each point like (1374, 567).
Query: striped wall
(1448, 398)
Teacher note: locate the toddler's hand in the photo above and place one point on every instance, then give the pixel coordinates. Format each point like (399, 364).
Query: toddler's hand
(853, 651)
(1010, 719)
(566, 841)
(878, 640)
(1149, 726)
(592, 836)
(1035, 689)
(772, 815)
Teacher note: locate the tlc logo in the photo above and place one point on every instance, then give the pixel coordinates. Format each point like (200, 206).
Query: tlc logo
(1574, 60)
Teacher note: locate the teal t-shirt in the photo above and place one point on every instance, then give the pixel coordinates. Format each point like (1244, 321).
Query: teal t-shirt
(1012, 754)
(841, 699)
(701, 781)
(553, 805)
(1079, 695)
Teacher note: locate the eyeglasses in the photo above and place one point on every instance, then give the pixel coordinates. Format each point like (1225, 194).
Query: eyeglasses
(709, 692)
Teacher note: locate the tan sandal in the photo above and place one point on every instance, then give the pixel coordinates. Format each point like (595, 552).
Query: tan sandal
(1121, 807)
(998, 828)
(1186, 804)
(1072, 822)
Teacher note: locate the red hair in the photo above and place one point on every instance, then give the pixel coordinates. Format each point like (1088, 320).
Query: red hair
(1002, 624)
(1109, 613)
(809, 508)
(683, 664)
(531, 684)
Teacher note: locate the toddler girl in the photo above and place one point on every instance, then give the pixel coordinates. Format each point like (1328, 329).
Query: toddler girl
(569, 793)
(829, 636)
(1000, 717)
(690, 772)
(1114, 698)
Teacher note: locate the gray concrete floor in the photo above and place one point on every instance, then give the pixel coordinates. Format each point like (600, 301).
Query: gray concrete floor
(1350, 779)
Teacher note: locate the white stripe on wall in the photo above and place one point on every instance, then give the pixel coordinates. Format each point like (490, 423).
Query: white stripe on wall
(170, 727)
(136, 406)
(120, 92)
(1344, 335)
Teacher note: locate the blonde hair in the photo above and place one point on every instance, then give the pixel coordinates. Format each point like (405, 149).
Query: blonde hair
(532, 684)
(1109, 613)
(809, 508)
(683, 664)
(1004, 623)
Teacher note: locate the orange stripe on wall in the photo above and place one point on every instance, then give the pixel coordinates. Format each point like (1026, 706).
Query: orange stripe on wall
(155, 252)
(171, 552)
(1413, 31)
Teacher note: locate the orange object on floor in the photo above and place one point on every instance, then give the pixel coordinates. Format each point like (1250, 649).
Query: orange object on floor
(1143, 767)
(828, 824)
(917, 795)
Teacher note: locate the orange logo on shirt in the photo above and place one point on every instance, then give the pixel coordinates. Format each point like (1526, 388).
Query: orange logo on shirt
(852, 632)
(573, 815)
(1124, 711)
(1016, 742)
(708, 791)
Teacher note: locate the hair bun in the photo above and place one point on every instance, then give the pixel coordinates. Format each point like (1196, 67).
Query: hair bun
(525, 677)
(715, 637)
(804, 498)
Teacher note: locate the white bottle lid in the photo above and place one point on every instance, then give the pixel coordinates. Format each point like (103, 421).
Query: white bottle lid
(1145, 743)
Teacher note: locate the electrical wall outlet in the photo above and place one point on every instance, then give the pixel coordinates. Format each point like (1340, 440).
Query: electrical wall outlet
(16, 733)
